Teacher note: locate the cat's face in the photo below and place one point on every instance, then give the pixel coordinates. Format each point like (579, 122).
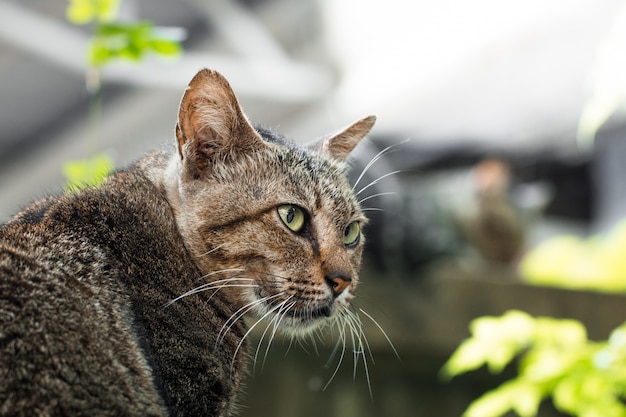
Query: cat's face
(275, 226)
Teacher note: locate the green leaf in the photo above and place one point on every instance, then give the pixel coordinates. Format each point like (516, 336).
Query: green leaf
(515, 395)
(166, 47)
(87, 172)
(514, 326)
(495, 342)
(492, 404)
(564, 332)
(584, 378)
(470, 355)
(546, 364)
(130, 41)
(98, 54)
(81, 12)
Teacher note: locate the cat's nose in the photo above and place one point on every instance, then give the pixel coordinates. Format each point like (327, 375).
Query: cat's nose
(338, 283)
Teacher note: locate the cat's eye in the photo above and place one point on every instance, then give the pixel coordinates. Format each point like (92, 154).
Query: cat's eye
(292, 216)
(352, 234)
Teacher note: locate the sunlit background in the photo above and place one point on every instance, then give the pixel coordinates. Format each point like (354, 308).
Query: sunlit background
(504, 119)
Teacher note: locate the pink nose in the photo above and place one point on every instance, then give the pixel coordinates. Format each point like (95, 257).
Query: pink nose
(338, 283)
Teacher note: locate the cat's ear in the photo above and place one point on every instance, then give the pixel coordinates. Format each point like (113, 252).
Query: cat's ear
(339, 146)
(211, 125)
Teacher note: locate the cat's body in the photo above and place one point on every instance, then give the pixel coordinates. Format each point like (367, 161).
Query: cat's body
(95, 271)
(126, 299)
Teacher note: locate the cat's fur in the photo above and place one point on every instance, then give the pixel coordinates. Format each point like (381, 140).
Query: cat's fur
(87, 280)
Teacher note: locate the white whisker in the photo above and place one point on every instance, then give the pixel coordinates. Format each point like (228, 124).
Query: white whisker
(355, 347)
(376, 158)
(377, 180)
(214, 285)
(342, 337)
(251, 328)
(274, 323)
(372, 209)
(221, 271)
(333, 353)
(276, 320)
(382, 331)
(211, 251)
(375, 195)
(360, 348)
(238, 315)
(362, 338)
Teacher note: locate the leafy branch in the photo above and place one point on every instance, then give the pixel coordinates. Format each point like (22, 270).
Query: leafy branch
(584, 378)
(112, 39)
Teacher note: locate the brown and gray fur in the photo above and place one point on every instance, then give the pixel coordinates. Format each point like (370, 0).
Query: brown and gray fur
(126, 299)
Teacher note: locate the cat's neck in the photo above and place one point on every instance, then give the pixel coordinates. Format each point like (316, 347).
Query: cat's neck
(165, 172)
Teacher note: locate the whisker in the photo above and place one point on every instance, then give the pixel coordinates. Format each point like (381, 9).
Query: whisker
(238, 315)
(377, 180)
(382, 331)
(375, 195)
(211, 286)
(291, 340)
(258, 348)
(273, 275)
(251, 328)
(376, 158)
(342, 337)
(371, 209)
(274, 323)
(368, 349)
(281, 315)
(331, 357)
(311, 336)
(300, 342)
(359, 350)
(221, 271)
(355, 348)
(212, 250)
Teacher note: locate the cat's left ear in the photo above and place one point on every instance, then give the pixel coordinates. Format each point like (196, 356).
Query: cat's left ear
(211, 125)
(339, 146)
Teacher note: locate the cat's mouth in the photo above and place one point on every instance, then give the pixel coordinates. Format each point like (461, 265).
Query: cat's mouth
(310, 314)
(302, 317)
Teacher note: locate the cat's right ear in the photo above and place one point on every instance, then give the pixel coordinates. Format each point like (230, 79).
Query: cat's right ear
(339, 145)
(211, 124)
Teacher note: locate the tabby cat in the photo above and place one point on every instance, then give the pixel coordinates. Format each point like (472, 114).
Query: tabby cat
(127, 299)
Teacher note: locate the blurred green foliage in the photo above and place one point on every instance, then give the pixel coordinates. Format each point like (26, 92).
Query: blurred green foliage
(597, 263)
(89, 172)
(81, 12)
(113, 39)
(555, 360)
(130, 41)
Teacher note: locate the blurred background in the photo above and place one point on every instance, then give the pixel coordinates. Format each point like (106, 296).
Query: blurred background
(499, 156)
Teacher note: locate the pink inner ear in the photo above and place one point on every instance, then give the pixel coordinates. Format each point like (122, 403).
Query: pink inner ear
(207, 142)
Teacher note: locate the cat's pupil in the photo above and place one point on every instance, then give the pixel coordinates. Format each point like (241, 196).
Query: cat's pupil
(291, 214)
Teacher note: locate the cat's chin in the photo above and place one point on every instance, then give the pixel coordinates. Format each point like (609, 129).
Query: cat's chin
(298, 320)
(304, 321)
(300, 326)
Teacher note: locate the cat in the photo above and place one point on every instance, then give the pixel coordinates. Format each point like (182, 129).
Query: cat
(126, 299)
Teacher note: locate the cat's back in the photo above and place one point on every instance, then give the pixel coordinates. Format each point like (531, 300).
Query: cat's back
(84, 279)
(65, 319)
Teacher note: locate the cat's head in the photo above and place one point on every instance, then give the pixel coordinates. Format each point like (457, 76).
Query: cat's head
(274, 225)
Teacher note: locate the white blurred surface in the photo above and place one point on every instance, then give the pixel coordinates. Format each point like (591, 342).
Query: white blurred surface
(506, 73)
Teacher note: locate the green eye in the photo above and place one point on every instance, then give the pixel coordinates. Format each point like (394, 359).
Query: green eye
(292, 216)
(352, 234)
